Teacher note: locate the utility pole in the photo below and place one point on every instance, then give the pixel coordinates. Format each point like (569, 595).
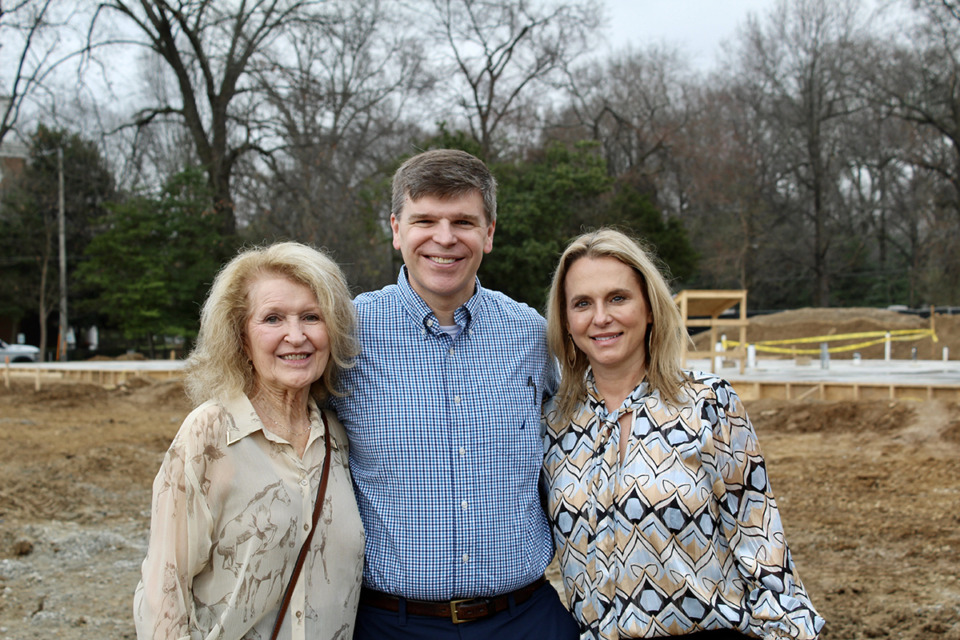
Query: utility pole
(61, 221)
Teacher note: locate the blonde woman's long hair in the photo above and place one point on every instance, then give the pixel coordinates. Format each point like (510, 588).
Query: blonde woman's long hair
(219, 366)
(665, 336)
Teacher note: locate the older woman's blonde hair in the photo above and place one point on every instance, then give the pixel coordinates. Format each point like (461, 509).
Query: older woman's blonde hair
(665, 335)
(219, 366)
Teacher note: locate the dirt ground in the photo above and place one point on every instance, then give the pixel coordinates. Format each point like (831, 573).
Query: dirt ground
(869, 494)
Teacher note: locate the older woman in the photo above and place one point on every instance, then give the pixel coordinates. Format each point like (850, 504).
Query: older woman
(662, 513)
(234, 499)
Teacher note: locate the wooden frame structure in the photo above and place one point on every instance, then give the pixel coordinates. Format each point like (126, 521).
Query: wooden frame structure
(92, 372)
(702, 308)
(750, 390)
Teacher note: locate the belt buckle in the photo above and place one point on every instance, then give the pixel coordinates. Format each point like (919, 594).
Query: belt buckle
(453, 610)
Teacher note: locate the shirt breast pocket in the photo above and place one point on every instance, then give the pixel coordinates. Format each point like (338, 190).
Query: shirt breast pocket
(516, 429)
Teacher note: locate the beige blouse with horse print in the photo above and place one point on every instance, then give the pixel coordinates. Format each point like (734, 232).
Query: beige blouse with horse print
(232, 504)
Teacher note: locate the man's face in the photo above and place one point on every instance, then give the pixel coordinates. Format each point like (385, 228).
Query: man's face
(443, 241)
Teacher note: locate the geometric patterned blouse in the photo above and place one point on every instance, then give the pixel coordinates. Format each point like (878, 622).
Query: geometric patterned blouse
(685, 535)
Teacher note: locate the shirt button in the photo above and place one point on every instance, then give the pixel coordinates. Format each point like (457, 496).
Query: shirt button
(464, 505)
(303, 482)
(306, 527)
(429, 322)
(456, 399)
(463, 451)
(465, 557)
(450, 351)
(299, 614)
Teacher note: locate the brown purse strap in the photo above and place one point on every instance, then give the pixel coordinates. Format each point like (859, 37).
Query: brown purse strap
(317, 508)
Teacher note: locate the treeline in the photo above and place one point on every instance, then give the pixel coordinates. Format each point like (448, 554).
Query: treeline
(818, 165)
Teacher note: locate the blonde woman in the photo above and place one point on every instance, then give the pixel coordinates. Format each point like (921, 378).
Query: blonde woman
(234, 500)
(662, 514)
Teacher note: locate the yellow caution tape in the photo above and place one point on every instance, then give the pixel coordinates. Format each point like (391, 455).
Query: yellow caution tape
(880, 337)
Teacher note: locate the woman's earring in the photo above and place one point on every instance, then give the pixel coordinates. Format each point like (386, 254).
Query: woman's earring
(571, 351)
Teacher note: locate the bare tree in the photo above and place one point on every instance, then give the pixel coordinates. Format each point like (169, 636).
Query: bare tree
(31, 48)
(339, 110)
(209, 47)
(729, 170)
(801, 62)
(919, 81)
(635, 105)
(148, 155)
(630, 103)
(921, 223)
(500, 51)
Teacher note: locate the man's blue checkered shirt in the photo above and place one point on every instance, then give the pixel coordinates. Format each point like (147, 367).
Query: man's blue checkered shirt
(445, 446)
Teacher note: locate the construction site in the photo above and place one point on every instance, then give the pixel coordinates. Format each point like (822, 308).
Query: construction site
(861, 440)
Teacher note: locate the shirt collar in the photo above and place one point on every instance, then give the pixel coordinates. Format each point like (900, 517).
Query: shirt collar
(246, 421)
(631, 403)
(424, 316)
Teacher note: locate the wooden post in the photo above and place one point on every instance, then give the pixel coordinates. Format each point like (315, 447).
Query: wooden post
(36, 379)
(714, 352)
(6, 372)
(743, 331)
(933, 332)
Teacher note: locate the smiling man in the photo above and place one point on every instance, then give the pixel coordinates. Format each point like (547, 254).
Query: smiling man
(443, 412)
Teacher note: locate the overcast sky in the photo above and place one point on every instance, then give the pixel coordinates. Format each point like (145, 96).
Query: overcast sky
(696, 27)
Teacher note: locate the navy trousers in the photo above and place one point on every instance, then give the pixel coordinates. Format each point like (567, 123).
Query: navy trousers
(542, 616)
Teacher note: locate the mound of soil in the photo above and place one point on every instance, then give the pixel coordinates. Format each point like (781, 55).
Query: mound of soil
(810, 323)
(852, 417)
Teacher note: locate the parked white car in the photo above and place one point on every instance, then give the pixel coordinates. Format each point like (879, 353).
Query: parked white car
(18, 352)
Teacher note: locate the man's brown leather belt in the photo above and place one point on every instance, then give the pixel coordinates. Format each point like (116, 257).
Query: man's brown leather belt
(457, 610)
